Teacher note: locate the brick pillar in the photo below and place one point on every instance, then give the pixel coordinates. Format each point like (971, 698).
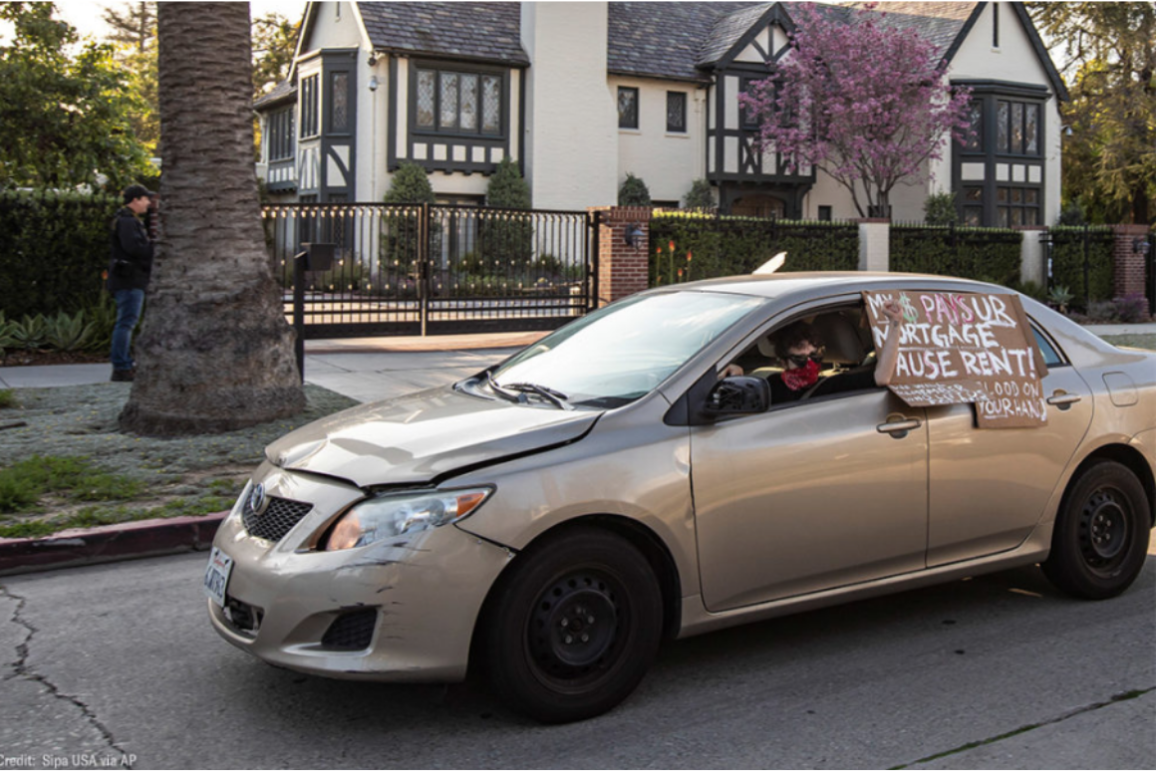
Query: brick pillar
(622, 270)
(1130, 267)
(1033, 265)
(874, 244)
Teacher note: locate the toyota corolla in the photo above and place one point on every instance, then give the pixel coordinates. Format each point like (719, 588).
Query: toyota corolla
(552, 519)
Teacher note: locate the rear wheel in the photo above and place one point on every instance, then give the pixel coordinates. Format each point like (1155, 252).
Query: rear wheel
(1101, 534)
(573, 627)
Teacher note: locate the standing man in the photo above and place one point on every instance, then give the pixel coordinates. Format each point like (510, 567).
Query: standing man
(128, 275)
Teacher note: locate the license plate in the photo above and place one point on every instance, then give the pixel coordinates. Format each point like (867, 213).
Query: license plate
(217, 575)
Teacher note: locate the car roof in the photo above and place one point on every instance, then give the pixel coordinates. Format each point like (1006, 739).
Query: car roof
(820, 283)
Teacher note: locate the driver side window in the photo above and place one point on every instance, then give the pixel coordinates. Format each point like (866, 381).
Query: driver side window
(830, 351)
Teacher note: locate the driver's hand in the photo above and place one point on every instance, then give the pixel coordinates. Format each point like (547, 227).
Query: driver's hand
(729, 371)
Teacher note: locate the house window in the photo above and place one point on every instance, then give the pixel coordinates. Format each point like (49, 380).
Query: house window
(825, 213)
(676, 111)
(1017, 128)
(457, 102)
(279, 134)
(310, 125)
(975, 126)
(1017, 206)
(748, 118)
(973, 206)
(339, 109)
(627, 107)
(995, 25)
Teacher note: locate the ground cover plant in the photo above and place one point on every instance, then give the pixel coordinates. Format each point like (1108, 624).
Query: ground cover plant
(65, 464)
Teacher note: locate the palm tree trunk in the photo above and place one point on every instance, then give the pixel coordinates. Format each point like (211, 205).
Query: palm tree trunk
(215, 352)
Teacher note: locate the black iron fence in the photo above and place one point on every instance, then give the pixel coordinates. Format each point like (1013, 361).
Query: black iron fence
(1081, 260)
(691, 245)
(434, 269)
(987, 254)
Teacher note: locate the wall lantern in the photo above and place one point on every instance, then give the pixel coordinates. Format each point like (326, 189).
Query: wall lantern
(633, 234)
(1140, 246)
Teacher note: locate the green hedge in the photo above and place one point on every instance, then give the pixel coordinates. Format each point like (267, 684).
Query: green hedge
(1068, 263)
(730, 246)
(55, 246)
(986, 254)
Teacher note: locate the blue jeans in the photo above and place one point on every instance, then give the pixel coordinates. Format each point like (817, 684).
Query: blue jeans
(128, 306)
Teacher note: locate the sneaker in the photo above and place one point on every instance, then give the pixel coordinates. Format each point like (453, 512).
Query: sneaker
(122, 375)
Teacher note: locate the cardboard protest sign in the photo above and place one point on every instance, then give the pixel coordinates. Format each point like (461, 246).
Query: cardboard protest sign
(968, 347)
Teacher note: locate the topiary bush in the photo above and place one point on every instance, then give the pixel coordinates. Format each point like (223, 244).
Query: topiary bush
(700, 195)
(1068, 254)
(505, 240)
(985, 254)
(399, 227)
(633, 192)
(939, 209)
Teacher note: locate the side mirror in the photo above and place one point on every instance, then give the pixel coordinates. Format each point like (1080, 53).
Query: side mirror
(738, 395)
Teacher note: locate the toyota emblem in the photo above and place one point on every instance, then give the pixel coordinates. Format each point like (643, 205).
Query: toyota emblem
(257, 498)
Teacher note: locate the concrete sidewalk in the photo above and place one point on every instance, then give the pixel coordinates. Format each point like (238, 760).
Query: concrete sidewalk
(364, 369)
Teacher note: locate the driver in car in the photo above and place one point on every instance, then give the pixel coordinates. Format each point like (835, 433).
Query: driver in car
(804, 350)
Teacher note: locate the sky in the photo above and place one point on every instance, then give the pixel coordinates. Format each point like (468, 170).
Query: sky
(85, 15)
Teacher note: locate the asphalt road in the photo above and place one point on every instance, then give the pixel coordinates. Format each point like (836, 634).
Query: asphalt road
(117, 663)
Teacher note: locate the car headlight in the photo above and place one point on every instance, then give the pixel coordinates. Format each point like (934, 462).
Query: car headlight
(392, 515)
(239, 507)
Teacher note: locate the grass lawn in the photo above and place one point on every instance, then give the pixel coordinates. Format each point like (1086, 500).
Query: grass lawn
(1134, 341)
(64, 464)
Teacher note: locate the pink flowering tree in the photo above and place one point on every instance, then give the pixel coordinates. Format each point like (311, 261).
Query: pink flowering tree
(861, 99)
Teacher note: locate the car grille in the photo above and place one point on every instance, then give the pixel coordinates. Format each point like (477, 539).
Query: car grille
(277, 520)
(351, 632)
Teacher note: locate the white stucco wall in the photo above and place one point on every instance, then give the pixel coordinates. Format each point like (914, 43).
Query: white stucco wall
(571, 134)
(668, 162)
(335, 25)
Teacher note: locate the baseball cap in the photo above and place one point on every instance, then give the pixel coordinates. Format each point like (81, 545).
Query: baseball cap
(133, 192)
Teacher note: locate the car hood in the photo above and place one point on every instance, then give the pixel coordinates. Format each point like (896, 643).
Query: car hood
(424, 436)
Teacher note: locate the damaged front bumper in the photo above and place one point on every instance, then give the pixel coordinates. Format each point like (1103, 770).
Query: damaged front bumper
(399, 610)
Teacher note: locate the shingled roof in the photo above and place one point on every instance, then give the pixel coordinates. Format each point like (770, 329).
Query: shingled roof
(471, 31)
(938, 23)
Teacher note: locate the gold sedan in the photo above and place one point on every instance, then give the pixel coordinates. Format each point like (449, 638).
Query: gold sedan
(552, 519)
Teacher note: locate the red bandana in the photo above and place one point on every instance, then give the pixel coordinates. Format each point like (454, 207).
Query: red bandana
(802, 377)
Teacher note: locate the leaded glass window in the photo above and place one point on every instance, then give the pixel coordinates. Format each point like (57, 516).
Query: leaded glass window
(1017, 127)
(448, 97)
(975, 126)
(469, 107)
(310, 126)
(676, 111)
(426, 80)
(1002, 115)
(339, 115)
(627, 107)
(457, 102)
(491, 104)
(1032, 129)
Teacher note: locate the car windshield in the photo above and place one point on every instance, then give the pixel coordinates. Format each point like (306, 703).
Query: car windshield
(620, 353)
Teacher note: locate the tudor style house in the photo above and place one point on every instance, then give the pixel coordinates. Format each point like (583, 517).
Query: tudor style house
(581, 94)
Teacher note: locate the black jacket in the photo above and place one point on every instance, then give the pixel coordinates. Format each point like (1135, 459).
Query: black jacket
(130, 243)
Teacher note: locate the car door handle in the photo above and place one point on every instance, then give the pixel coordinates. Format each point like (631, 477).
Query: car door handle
(899, 428)
(1064, 401)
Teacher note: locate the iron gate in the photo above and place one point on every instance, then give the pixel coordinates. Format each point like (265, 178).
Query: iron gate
(434, 269)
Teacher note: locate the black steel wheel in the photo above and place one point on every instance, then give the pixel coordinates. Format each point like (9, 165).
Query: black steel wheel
(1101, 533)
(573, 626)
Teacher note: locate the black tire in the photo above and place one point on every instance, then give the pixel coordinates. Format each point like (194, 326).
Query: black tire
(572, 627)
(1101, 534)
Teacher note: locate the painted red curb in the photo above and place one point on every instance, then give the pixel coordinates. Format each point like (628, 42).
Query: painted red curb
(124, 541)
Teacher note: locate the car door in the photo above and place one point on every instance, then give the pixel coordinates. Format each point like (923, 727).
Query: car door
(989, 487)
(809, 496)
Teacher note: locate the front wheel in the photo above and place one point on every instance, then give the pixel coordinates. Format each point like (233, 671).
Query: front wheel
(573, 627)
(1101, 534)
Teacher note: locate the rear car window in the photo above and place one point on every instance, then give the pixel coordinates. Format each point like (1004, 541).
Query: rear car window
(1052, 357)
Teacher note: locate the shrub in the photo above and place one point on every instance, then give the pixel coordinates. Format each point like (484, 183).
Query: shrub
(633, 192)
(700, 195)
(56, 246)
(505, 240)
(1068, 256)
(410, 185)
(939, 209)
(985, 254)
(399, 228)
(729, 246)
(1132, 308)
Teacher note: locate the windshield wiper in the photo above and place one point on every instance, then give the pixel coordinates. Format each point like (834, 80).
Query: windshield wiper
(556, 397)
(501, 392)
